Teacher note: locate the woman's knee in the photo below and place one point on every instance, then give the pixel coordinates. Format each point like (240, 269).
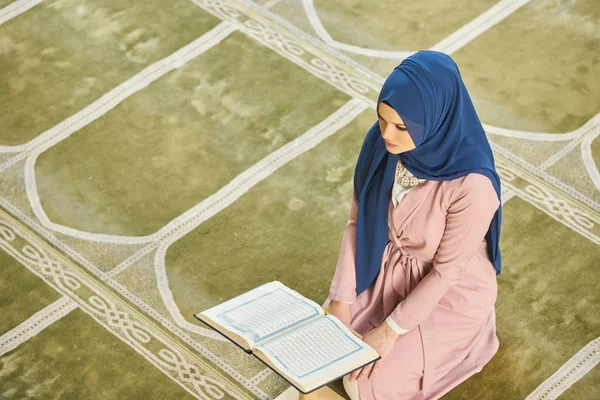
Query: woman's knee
(400, 373)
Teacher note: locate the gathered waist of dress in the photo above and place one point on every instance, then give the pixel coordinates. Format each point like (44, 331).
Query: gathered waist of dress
(406, 270)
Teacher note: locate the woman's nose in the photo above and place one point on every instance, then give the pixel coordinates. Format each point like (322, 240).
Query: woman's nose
(387, 135)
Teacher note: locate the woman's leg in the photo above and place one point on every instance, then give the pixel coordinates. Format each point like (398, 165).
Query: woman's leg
(400, 373)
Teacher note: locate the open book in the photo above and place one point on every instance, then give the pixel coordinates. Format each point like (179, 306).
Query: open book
(291, 334)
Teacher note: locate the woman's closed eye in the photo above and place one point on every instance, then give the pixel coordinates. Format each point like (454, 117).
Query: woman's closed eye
(399, 127)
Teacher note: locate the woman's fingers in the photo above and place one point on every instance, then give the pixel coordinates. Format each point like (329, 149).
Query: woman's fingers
(355, 374)
(359, 373)
(342, 311)
(365, 371)
(374, 369)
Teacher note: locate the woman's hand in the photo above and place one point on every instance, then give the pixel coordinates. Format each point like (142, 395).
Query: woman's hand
(382, 339)
(342, 311)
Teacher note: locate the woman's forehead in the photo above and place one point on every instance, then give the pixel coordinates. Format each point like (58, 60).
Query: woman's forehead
(392, 115)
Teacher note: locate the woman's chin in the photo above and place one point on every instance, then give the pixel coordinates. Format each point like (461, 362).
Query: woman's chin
(395, 150)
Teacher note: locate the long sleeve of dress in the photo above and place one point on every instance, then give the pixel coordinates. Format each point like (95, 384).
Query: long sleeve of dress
(343, 285)
(471, 210)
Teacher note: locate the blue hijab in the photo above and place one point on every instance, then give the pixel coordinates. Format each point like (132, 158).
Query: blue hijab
(427, 92)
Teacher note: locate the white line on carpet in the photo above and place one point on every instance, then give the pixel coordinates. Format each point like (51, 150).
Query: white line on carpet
(15, 9)
(36, 323)
(572, 371)
(448, 45)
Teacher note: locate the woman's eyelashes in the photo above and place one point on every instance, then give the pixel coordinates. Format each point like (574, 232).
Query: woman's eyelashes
(400, 128)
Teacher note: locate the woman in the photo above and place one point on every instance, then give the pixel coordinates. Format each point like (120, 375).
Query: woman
(416, 275)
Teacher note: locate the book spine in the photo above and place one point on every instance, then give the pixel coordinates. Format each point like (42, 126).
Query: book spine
(293, 328)
(221, 333)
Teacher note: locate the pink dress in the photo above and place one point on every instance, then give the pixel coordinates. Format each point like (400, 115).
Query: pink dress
(436, 281)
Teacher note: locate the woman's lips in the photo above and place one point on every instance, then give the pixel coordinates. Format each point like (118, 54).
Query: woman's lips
(389, 144)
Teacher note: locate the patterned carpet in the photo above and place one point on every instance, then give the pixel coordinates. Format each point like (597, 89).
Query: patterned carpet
(158, 158)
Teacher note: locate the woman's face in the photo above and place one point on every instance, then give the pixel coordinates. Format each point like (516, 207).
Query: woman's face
(393, 130)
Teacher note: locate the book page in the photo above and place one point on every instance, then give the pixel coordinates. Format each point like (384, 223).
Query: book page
(264, 312)
(317, 350)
